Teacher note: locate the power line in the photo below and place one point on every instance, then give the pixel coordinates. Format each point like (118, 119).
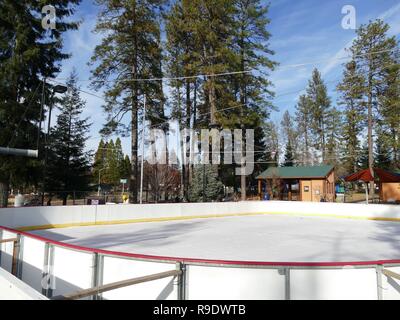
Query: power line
(296, 65)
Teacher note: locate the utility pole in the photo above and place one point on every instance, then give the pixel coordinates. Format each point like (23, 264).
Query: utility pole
(143, 134)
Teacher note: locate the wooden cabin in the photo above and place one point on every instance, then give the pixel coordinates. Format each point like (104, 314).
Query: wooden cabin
(390, 192)
(306, 183)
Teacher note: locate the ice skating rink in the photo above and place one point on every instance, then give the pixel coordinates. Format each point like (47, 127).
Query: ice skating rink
(268, 238)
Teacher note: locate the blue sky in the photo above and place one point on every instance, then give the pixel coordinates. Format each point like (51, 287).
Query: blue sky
(303, 31)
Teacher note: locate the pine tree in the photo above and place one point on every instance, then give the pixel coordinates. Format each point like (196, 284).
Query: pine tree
(289, 158)
(99, 160)
(69, 164)
(320, 105)
(28, 54)
(333, 128)
(198, 38)
(389, 115)
(382, 151)
(206, 185)
(111, 160)
(130, 50)
(125, 169)
(272, 144)
(290, 136)
(111, 173)
(352, 100)
(303, 121)
(181, 62)
(372, 52)
(363, 156)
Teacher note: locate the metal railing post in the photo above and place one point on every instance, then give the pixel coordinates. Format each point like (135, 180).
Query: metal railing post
(47, 274)
(19, 256)
(181, 281)
(287, 283)
(97, 274)
(379, 281)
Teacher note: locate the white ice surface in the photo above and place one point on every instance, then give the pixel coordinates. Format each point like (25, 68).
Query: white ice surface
(251, 238)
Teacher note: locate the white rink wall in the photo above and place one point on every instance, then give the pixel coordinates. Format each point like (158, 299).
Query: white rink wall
(39, 216)
(11, 288)
(70, 268)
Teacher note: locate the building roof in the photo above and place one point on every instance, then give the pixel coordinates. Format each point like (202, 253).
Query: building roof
(366, 176)
(296, 172)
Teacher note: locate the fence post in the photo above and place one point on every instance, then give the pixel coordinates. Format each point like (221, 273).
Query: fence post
(181, 281)
(379, 281)
(47, 274)
(287, 283)
(15, 256)
(97, 273)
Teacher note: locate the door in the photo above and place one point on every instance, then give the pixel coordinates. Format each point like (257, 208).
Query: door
(306, 190)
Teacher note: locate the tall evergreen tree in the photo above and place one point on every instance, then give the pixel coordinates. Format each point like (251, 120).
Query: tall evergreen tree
(112, 162)
(289, 158)
(389, 115)
(252, 52)
(181, 61)
(28, 54)
(130, 51)
(289, 136)
(372, 52)
(69, 164)
(319, 104)
(382, 154)
(351, 98)
(272, 144)
(99, 160)
(198, 37)
(363, 156)
(333, 128)
(303, 121)
(111, 173)
(206, 186)
(125, 169)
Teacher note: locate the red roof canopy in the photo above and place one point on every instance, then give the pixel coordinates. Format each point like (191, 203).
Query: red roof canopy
(363, 175)
(366, 176)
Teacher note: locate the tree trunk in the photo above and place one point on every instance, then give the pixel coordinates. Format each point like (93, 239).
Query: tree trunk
(65, 200)
(4, 188)
(134, 124)
(243, 101)
(188, 139)
(370, 141)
